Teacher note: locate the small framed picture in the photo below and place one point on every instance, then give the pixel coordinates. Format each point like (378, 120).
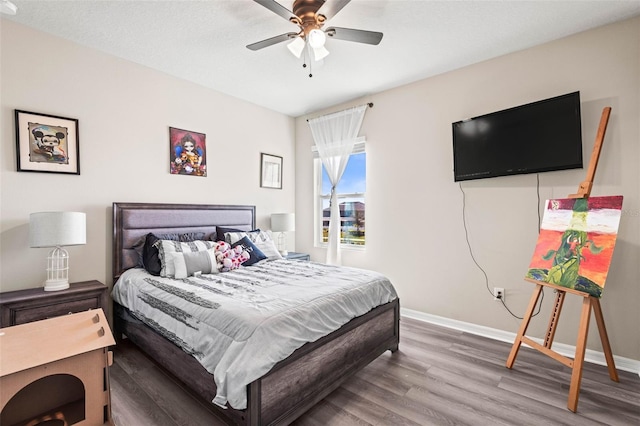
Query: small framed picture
(47, 143)
(270, 171)
(188, 152)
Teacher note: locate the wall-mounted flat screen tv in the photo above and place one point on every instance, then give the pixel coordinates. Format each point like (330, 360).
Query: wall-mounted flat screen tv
(538, 137)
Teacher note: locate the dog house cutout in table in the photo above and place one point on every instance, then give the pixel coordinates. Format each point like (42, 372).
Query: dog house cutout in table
(55, 371)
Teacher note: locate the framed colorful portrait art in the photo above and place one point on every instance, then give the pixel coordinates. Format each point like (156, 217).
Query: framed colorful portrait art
(188, 152)
(47, 143)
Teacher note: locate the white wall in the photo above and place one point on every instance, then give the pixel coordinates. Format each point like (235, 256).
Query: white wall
(414, 209)
(124, 112)
(414, 229)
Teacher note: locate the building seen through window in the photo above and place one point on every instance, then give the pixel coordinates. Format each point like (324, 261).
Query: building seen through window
(351, 200)
(352, 225)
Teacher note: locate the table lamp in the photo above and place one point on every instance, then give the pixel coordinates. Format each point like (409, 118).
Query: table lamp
(57, 229)
(283, 222)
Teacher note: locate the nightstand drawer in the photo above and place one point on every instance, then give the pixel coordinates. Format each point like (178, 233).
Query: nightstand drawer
(22, 306)
(36, 313)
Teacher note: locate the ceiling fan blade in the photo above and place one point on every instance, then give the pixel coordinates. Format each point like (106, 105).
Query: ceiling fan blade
(270, 41)
(278, 9)
(359, 36)
(331, 7)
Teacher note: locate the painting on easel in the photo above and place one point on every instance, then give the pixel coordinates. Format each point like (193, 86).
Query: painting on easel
(576, 242)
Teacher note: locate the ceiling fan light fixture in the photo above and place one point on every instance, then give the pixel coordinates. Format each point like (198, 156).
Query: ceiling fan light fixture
(317, 38)
(320, 53)
(310, 16)
(296, 46)
(8, 8)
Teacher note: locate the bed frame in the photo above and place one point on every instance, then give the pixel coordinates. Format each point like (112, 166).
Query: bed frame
(293, 385)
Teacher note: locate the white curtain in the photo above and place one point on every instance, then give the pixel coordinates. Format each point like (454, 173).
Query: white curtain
(334, 136)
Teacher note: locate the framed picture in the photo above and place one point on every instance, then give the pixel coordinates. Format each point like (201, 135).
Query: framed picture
(270, 171)
(188, 152)
(47, 143)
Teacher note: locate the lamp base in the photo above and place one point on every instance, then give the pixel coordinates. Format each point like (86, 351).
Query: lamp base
(55, 285)
(57, 270)
(282, 244)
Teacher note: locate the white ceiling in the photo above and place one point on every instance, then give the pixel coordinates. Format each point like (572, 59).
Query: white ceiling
(204, 41)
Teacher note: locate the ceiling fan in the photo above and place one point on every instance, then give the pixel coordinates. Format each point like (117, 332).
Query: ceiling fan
(310, 16)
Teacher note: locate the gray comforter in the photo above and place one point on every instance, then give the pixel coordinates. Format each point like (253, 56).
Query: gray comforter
(239, 324)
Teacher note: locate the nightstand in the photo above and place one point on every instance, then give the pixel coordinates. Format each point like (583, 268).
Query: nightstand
(22, 306)
(297, 256)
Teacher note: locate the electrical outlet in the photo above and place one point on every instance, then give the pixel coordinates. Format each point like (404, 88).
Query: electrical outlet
(498, 293)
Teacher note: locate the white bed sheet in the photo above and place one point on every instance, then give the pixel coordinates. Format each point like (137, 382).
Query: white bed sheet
(239, 324)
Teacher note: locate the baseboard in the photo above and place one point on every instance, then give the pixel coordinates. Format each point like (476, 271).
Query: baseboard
(595, 357)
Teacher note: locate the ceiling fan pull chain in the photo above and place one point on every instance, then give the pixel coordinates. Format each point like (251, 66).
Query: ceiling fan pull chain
(308, 52)
(304, 62)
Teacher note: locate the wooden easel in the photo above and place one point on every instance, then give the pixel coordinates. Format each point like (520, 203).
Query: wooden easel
(589, 302)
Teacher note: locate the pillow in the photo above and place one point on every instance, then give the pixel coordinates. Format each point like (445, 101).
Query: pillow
(188, 264)
(230, 258)
(170, 246)
(221, 230)
(150, 256)
(184, 237)
(261, 239)
(255, 254)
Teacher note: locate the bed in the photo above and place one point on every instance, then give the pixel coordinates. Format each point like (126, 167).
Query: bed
(292, 385)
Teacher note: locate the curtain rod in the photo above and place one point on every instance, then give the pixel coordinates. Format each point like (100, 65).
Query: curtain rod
(369, 104)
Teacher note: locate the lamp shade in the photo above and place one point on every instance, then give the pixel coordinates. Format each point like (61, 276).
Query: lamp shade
(296, 46)
(317, 38)
(52, 229)
(319, 53)
(283, 222)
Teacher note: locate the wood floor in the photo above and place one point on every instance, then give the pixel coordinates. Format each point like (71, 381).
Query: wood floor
(438, 377)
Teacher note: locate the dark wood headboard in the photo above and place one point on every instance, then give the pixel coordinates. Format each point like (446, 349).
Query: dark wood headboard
(132, 221)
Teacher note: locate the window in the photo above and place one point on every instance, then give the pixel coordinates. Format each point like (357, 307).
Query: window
(351, 198)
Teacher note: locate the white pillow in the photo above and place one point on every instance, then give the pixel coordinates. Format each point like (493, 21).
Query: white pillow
(261, 239)
(191, 263)
(168, 246)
